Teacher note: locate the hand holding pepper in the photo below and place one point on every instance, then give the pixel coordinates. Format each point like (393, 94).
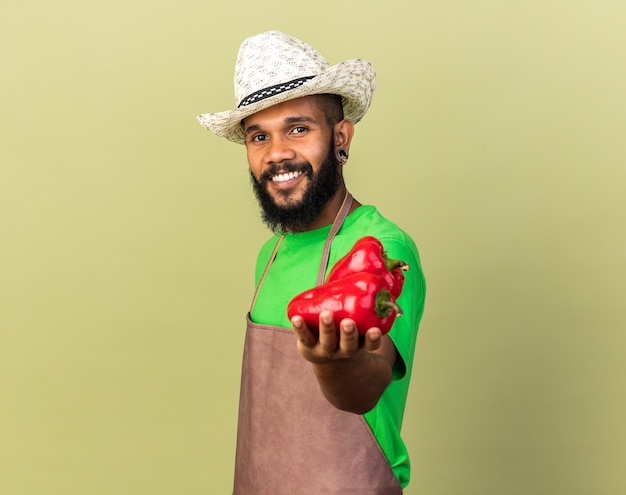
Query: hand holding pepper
(353, 369)
(341, 325)
(332, 340)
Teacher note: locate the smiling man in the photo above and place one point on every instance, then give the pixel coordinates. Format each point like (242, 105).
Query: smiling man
(284, 144)
(319, 413)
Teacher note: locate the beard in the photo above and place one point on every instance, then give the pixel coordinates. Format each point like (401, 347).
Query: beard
(293, 216)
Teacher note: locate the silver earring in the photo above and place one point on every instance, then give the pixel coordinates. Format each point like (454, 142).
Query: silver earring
(342, 155)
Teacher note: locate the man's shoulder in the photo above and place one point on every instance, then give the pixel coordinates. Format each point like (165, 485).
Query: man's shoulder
(370, 221)
(266, 249)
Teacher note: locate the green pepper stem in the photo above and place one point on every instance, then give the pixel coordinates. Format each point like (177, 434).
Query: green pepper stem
(385, 304)
(392, 263)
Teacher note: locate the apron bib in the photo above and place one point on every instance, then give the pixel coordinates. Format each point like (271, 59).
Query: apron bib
(290, 439)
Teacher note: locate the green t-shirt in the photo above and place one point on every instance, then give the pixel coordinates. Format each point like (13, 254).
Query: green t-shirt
(295, 269)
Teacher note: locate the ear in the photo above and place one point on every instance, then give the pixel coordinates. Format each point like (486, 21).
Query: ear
(343, 132)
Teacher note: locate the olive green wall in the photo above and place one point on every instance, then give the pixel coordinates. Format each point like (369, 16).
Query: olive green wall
(128, 236)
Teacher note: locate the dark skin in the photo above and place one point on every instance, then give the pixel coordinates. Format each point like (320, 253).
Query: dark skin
(352, 372)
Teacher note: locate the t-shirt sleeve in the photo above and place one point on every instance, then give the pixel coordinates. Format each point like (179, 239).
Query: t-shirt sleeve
(411, 301)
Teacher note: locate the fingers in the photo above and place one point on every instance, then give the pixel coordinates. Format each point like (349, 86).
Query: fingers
(328, 338)
(350, 340)
(348, 337)
(304, 335)
(373, 339)
(331, 343)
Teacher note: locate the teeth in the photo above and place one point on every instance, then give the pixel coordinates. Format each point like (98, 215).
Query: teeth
(287, 176)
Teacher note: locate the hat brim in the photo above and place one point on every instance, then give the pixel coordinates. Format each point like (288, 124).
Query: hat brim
(354, 80)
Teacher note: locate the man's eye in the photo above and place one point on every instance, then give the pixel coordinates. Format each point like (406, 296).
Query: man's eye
(299, 130)
(259, 137)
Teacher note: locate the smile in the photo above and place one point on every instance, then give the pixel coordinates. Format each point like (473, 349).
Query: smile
(286, 176)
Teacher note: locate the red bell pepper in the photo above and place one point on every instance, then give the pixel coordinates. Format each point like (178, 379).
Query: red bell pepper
(368, 255)
(364, 297)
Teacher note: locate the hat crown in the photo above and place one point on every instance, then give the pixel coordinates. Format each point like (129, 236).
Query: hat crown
(272, 59)
(273, 67)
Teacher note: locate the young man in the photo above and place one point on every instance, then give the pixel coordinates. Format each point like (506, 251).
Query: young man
(318, 413)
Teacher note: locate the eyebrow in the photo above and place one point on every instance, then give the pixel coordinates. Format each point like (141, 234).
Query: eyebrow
(288, 120)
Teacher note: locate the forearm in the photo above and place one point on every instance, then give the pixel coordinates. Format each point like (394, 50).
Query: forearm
(355, 385)
(352, 369)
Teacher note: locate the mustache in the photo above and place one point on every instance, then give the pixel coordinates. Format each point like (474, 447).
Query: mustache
(284, 168)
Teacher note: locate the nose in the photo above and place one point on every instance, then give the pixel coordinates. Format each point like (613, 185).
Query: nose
(279, 151)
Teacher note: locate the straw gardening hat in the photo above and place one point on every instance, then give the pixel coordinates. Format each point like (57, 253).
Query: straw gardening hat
(273, 67)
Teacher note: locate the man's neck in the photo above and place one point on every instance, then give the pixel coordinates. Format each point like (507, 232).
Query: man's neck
(330, 211)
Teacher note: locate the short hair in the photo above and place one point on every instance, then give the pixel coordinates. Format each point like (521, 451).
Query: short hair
(332, 107)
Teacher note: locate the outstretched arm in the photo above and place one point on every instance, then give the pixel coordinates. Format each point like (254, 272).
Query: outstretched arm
(352, 373)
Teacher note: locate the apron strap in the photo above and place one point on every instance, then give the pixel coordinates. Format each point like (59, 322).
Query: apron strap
(267, 269)
(337, 223)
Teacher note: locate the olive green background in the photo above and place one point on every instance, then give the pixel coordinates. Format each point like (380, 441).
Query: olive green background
(128, 234)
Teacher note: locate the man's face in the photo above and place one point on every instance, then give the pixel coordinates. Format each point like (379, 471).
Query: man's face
(292, 162)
